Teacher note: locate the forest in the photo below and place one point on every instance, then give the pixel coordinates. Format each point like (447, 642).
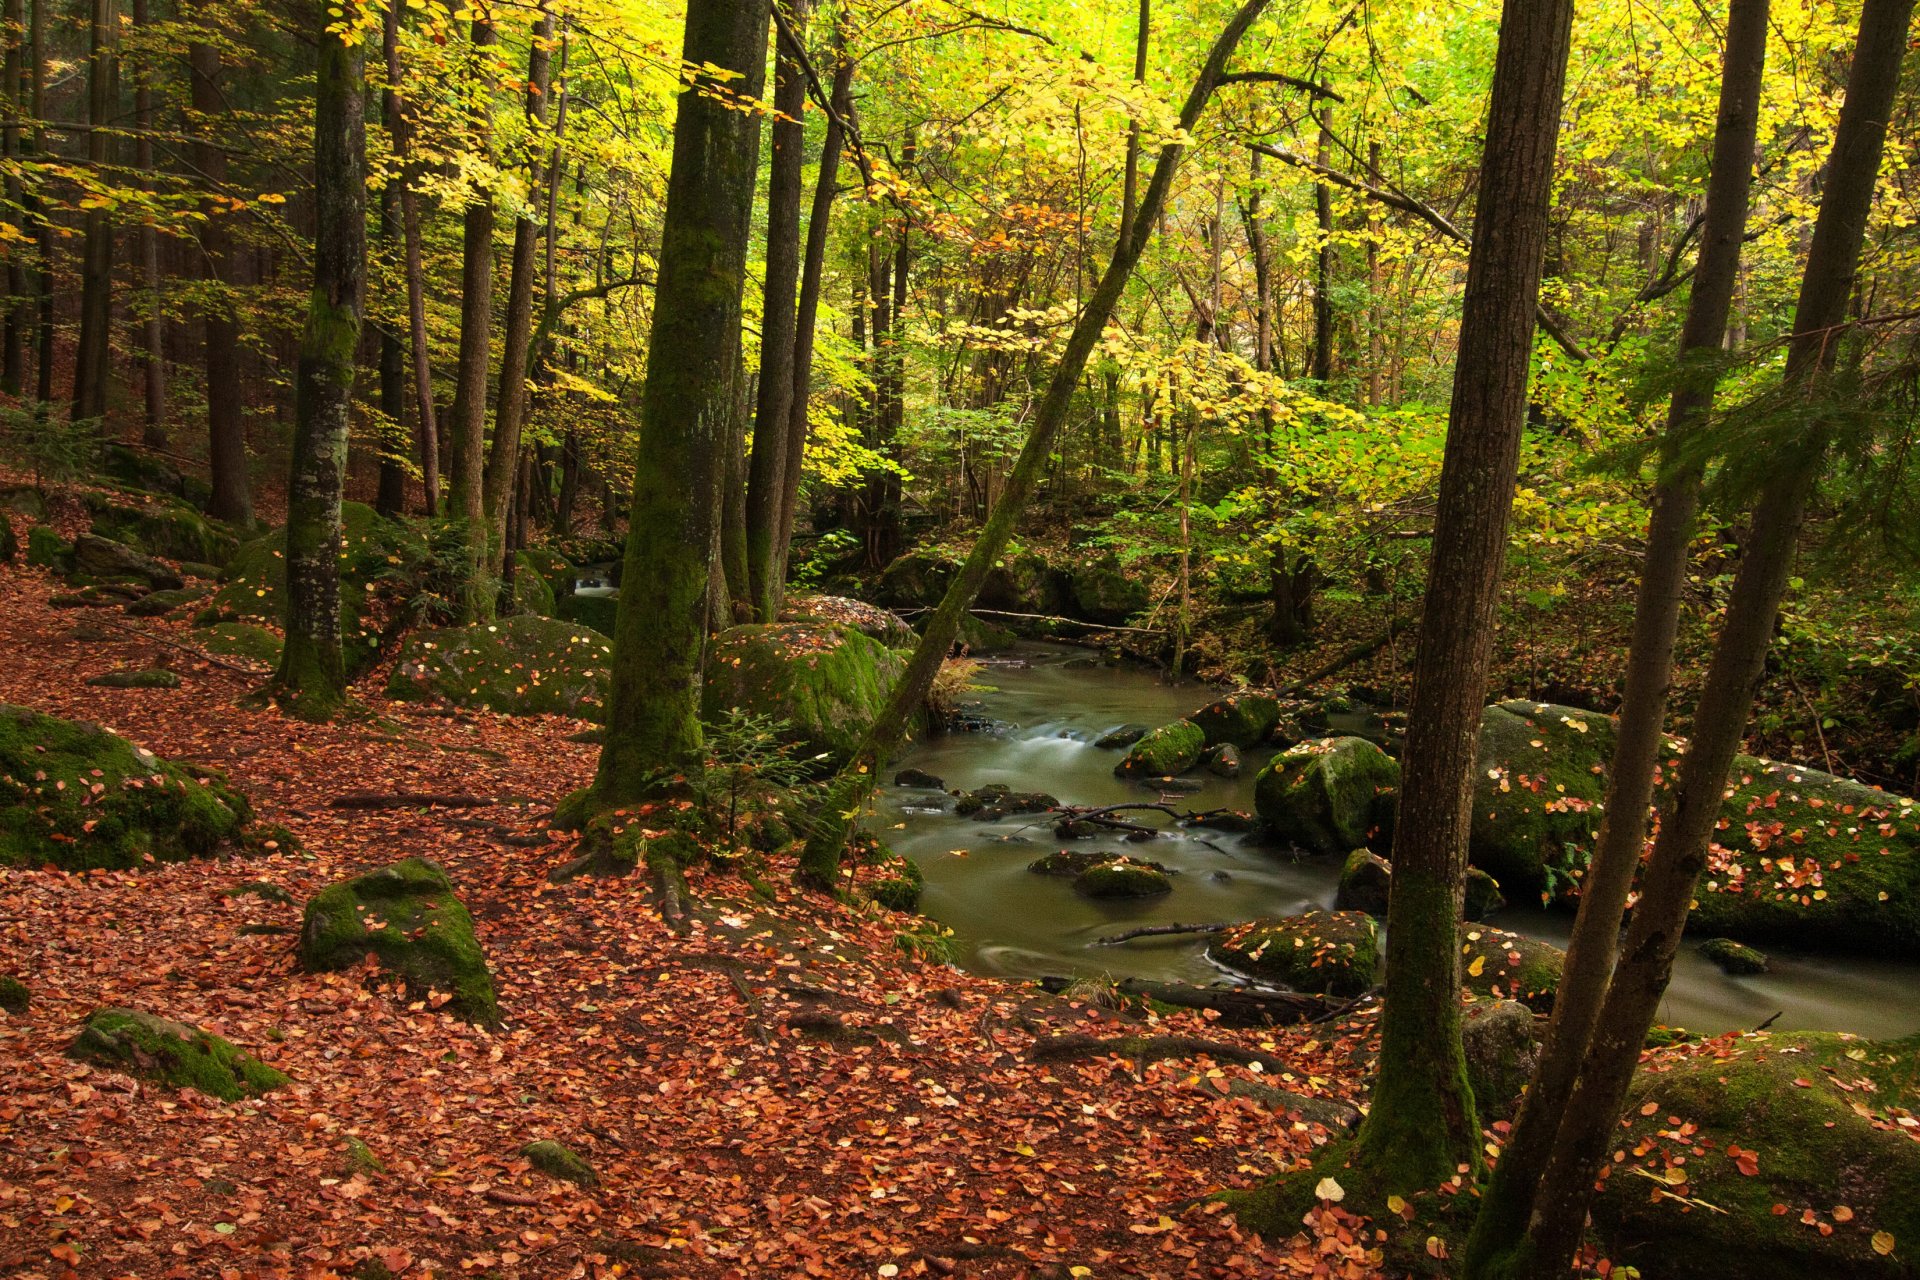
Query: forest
(903, 638)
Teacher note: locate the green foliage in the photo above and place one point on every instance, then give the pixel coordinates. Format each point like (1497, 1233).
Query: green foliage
(44, 441)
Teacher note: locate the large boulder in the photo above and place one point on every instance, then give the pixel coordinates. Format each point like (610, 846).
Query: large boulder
(80, 797)
(407, 917)
(1801, 1145)
(1502, 1047)
(1329, 795)
(595, 611)
(1102, 591)
(1538, 789)
(171, 1053)
(1122, 878)
(240, 640)
(98, 557)
(1366, 883)
(521, 666)
(917, 578)
(1325, 952)
(823, 683)
(1171, 749)
(1024, 582)
(1498, 965)
(1239, 719)
(162, 527)
(884, 625)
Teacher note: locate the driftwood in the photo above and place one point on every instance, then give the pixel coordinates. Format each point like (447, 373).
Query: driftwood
(1237, 1006)
(407, 800)
(1160, 931)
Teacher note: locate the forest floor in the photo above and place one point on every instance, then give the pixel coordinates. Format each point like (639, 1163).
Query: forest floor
(774, 1088)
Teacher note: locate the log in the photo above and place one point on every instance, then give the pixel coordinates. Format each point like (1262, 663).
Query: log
(1160, 931)
(1237, 1006)
(407, 800)
(1146, 1050)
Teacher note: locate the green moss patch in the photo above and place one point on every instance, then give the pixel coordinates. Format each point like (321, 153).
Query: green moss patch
(14, 996)
(997, 800)
(918, 578)
(824, 682)
(149, 678)
(1538, 789)
(171, 1053)
(1170, 749)
(162, 526)
(240, 640)
(1499, 965)
(46, 549)
(523, 665)
(1103, 591)
(1241, 719)
(407, 917)
(1733, 957)
(1329, 795)
(557, 1160)
(1366, 881)
(1122, 878)
(159, 603)
(1325, 952)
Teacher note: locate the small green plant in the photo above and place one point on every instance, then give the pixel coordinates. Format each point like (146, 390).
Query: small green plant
(748, 757)
(831, 547)
(928, 942)
(54, 448)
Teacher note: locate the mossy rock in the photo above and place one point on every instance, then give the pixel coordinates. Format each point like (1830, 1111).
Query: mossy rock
(359, 1158)
(46, 549)
(1025, 582)
(24, 500)
(408, 917)
(978, 635)
(1171, 749)
(240, 640)
(597, 613)
(917, 578)
(1733, 957)
(99, 558)
(1101, 590)
(553, 568)
(1498, 965)
(1329, 795)
(897, 893)
(1538, 788)
(148, 678)
(1125, 736)
(557, 1160)
(1241, 719)
(870, 620)
(1122, 878)
(998, 800)
(1072, 862)
(163, 527)
(15, 998)
(824, 682)
(1812, 1117)
(171, 1053)
(159, 603)
(1502, 1047)
(1482, 897)
(1323, 952)
(571, 811)
(1366, 881)
(80, 797)
(519, 666)
(532, 593)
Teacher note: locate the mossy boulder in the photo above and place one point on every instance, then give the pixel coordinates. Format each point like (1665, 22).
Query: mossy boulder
(1502, 1048)
(1329, 795)
(23, 500)
(522, 665)
(823, 682)
(977, 635)
(1323, 952)
(1072, 862)
(255, 580)
(164, 527)
(998, 800)
(148, 678)
(1365, 883)
(46, 549)
(160, 603)
(1024, 582)
(1170, 749)
(1101, 590)
(531, 593)
(1122, 878)
(1795, 1142)
(917, 578)
(884, 625)
(1124, 736)
(98, 558)
(80, 797)
(1538, 788)
(1482, 896)
(597, 612)
(408, 917)
(557, 1160)
(15, 998)
(1240, 719)
(1498, 965)
(1733, 957)
(549, 565)
(240, 640)
(171, 1053)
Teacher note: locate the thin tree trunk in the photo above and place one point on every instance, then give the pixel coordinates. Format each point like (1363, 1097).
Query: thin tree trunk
(1623, 828)
(391, 497)
(311, 682)
(1422, 1123)
(92, 362)
(847, 795)
(1680, 850)
(426, 430)
(689, 402)
(1130, 186)
(1323, 267)
(153, 357)
(1375, 348)
(232, 498)
(13, 344)
(43, 271)
(467, 454)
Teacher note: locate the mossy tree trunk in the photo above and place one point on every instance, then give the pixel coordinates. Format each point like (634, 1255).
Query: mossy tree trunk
(311, 682)
(232, 497)
(848, 792)
(1623, 829)
(690, 397)
(92, 357)
(1422, 1123)
(1667, 883)
(467, 431)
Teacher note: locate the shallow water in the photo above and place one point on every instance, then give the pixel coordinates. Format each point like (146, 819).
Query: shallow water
(1011, 922)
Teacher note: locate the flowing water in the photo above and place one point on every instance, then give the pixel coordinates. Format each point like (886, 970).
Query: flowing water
(1048, 705)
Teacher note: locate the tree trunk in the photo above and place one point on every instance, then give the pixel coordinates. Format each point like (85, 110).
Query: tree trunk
(1322, 369)
(92, 358)
(1680, 850)
(311, 682)
(1422, 1123)
(232, 498)
(467, 453)
(426, 431)
(692, 366)
(391, 497)
(847, 794)
(19, 318)
(153, 357)
(1623, 828)
(43, 227)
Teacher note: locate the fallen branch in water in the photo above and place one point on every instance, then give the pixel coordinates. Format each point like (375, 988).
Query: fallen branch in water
(1160, 931)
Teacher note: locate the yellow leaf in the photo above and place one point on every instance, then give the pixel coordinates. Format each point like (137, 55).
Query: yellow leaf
(1330, 1191)
(1396, 1205)
(1883, 1243)
(1478, 967)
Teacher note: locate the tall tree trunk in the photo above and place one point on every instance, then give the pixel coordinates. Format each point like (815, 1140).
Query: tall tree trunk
(1671, 874)
(767, 466)
(311, 682)
(153, 357)
(232, 498)
(847, 795)
(426, 430)
(1322, 369)
(692, 366)
(92, 359)
(467, 434)
(391, 497)
(43, 227)
(1623, 827)
(1422, 1123)
(19, 318)
(1375, 345)
(1130, 184)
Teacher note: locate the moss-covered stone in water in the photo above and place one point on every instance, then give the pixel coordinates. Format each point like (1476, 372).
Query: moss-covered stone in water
(46, 549)
(14, 996)
(1071, 862)
(1329, 795)
(1170, 749)
(256, 579)
(824, 682)
(1538, 788)
(559, 1161)
(1122, 878)
(408, 917)
(978, 635)
(553, 568)
(1507, 966)
(1242, 719)
(1103, 591)
(1365, 883)
(162, 527)
(171, 1053)
(239, 640)
(1732, 957)
(523, 665)
(997, 800)
(151, 678)
(1324, 952)
(1804, 1121)
(79, 797)
(1502, 1047)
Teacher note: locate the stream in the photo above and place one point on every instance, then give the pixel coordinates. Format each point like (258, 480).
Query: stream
(1048, 704)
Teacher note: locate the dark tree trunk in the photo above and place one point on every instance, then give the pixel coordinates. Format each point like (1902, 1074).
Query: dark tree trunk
(153, 355)
(43, 229)
(311, 682)
(1672, 872)
(391, 497)
(1623, 828)
(688, 405)
(13, 101)
(426, 431)
(1422, 1123)
(232, 498)
(92, 357)
(467, 452)
(1322, 368)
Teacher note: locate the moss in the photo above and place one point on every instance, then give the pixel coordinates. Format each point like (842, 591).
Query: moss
(1366, 882)
(1170, 749)
(265, 890)
(1502, 1047)
(596, 612)
(523, 665)
(163, 527)
(559, 1161)
(1812, 1117)
(407, 916)
(14, 996)
(359, 1158)
(571, 813)
(997, 800)
(918, 578)
(150, 678)
(103, 559)
(824, 682)
(1102, 591)
(1329, 795)
(1025, 582)
(1122, 878)
(46, 549)
(978, 635)
(254, 588)
(896, 893)
(1332, 953)
(1507, 966)
(171, 1053)
(79, 797)
(1482, 897)
(1538, 789)
(240, 640)
(1733, 957)
(1125, 736)
(1242, 719)
(159, 603)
